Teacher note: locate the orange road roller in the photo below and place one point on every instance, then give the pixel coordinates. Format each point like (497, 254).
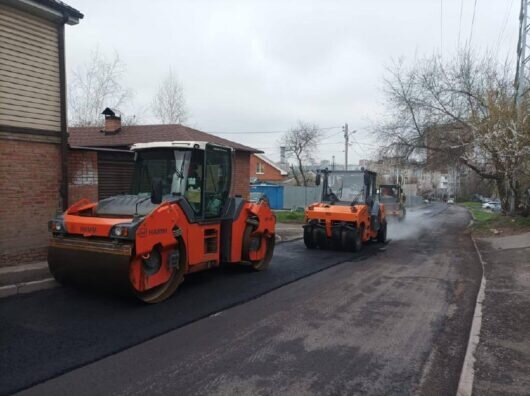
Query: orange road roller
(179, 218)
(349, 213)
(393, 197)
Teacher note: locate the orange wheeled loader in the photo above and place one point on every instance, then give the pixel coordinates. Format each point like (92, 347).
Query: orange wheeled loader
(348, 214)
(179, 218)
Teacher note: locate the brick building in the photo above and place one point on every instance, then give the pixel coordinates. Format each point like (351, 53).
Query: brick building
(262, 169)
(33, 146)
(107, 169)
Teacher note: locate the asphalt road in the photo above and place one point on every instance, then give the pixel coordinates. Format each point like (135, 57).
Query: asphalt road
(393, 320)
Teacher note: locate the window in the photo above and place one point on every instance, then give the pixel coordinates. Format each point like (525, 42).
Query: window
(165, 166)
(194, 183)
(344, 187)
(260, 169)
(217, 180)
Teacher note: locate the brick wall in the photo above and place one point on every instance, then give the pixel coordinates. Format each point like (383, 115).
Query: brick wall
(270, 173)
(82, 175)
(241, 174)
(30, 177)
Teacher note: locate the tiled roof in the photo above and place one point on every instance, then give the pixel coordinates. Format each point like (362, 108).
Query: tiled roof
(128, 135)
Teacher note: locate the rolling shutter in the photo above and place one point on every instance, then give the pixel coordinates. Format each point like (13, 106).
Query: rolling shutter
(115, 173)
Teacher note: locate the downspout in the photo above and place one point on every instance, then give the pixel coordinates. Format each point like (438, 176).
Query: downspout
(64, 123)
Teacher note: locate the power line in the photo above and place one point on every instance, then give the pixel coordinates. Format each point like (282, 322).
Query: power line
(504, 25)
(441, 26)
(263, 132)
(460, 23)
(275, 147)
(472, 23)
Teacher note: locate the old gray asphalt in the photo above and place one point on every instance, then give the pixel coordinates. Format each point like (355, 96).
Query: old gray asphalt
(396, 323)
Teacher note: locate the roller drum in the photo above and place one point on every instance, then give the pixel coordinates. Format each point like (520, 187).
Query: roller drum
(98, 265)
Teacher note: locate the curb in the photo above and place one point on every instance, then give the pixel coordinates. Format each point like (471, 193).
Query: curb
(27, 287)
(467, 375)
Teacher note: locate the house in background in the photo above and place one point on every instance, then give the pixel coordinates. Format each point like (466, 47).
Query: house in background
(102, 165)
(262, 169)
(33, 136)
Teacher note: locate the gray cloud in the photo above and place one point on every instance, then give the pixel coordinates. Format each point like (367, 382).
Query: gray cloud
(262, 65)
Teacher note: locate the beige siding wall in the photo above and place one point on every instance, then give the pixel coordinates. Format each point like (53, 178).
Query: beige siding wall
(29, 70)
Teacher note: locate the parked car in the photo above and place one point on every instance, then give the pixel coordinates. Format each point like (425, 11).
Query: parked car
(492, 205)
(451, 201)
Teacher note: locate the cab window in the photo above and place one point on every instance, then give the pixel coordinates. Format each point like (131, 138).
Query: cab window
(217, 175)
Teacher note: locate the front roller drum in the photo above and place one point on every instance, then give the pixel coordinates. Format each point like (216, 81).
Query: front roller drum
(103, 266)
(93, 265)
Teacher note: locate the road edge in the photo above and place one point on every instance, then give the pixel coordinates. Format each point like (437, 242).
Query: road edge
(16, 289)
(27, 287)
(467, 375)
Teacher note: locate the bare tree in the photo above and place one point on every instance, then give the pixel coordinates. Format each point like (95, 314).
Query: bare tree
(459, 111)
(169, 104)
(94, 86)
(300, 143)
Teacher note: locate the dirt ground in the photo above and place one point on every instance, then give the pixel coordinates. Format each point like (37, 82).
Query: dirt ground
(288, 231)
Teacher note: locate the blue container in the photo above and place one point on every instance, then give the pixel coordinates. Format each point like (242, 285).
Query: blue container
(273, 191)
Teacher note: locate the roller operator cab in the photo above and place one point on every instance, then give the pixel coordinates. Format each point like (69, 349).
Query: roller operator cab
(348, 214)
(180, 217)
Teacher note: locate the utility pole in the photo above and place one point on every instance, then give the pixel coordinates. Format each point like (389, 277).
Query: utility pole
(522, 61)
(333, 163)
(521, 73)
(346, 142)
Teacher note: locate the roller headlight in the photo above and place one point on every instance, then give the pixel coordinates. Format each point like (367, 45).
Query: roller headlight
(124, 230)
(120, 231)
(56, 226)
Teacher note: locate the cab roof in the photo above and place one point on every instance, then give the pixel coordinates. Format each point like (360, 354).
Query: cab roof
(189, 144)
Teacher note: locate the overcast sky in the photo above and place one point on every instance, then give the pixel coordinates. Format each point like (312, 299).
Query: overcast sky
(259, 66)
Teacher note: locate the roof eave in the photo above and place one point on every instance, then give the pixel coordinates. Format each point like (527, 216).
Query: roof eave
(58, 13)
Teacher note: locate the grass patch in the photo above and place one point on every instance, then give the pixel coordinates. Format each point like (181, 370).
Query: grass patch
(289, 217)
(488, 223)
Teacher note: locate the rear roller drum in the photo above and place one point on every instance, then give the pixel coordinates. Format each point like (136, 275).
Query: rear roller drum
(351, 240)
(336, 240)
(321, 238)
(309, 240)
(165, 290)
(255, 243)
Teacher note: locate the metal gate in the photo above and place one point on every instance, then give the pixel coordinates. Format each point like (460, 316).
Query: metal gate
(115, 172)
(295, 197)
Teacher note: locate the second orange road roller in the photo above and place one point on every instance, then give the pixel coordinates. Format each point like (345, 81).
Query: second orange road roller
(180, 217)
(348, 214)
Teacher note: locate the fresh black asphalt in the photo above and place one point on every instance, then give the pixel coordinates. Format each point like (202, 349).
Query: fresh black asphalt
(395, 323)
(48, 333)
